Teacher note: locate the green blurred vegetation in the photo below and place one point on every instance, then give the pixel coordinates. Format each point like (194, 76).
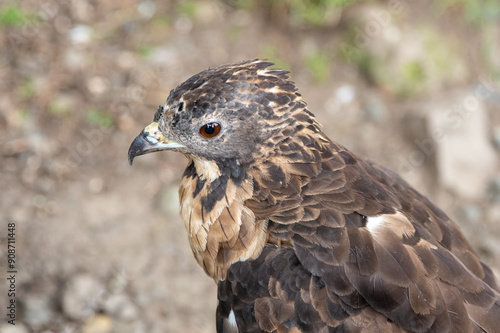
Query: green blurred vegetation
(59, 107)
(11, 15)
(314, 12)
(478, 12)
(437, 63)
(271, 53)
(27, 89)
(96, 117)
(143, 50)
(318, 63)
(186, 8)
(435, 66)
(23, 114)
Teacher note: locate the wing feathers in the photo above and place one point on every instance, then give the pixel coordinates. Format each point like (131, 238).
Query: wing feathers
(366, 253)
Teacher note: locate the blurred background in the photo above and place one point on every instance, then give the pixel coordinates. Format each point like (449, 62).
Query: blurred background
(414, 86)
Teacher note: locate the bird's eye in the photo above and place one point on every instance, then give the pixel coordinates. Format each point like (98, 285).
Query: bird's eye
(210, 130)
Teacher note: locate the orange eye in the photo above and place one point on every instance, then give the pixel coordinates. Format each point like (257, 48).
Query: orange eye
(210, 130)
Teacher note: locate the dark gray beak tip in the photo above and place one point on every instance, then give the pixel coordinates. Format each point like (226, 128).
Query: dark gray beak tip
(137, 148)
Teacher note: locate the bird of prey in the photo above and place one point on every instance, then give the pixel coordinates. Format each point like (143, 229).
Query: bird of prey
(299, 233)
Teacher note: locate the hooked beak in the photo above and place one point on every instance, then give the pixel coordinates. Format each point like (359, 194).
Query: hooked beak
(150, 140)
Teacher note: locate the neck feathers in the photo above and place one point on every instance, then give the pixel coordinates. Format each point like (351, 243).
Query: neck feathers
(221, 229)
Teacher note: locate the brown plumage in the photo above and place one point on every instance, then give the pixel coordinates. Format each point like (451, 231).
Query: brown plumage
(300, 234)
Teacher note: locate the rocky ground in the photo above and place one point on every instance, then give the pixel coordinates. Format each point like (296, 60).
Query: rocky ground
(99, 244)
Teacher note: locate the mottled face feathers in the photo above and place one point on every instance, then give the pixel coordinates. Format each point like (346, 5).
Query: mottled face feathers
(300, 234)
(249, 101)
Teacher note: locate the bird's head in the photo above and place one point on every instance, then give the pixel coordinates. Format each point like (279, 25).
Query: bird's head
(239, 125)
(236, 112)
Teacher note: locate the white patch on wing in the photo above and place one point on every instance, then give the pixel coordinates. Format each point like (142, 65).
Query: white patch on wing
(373, 223)
(397, 223)
(232, 319)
